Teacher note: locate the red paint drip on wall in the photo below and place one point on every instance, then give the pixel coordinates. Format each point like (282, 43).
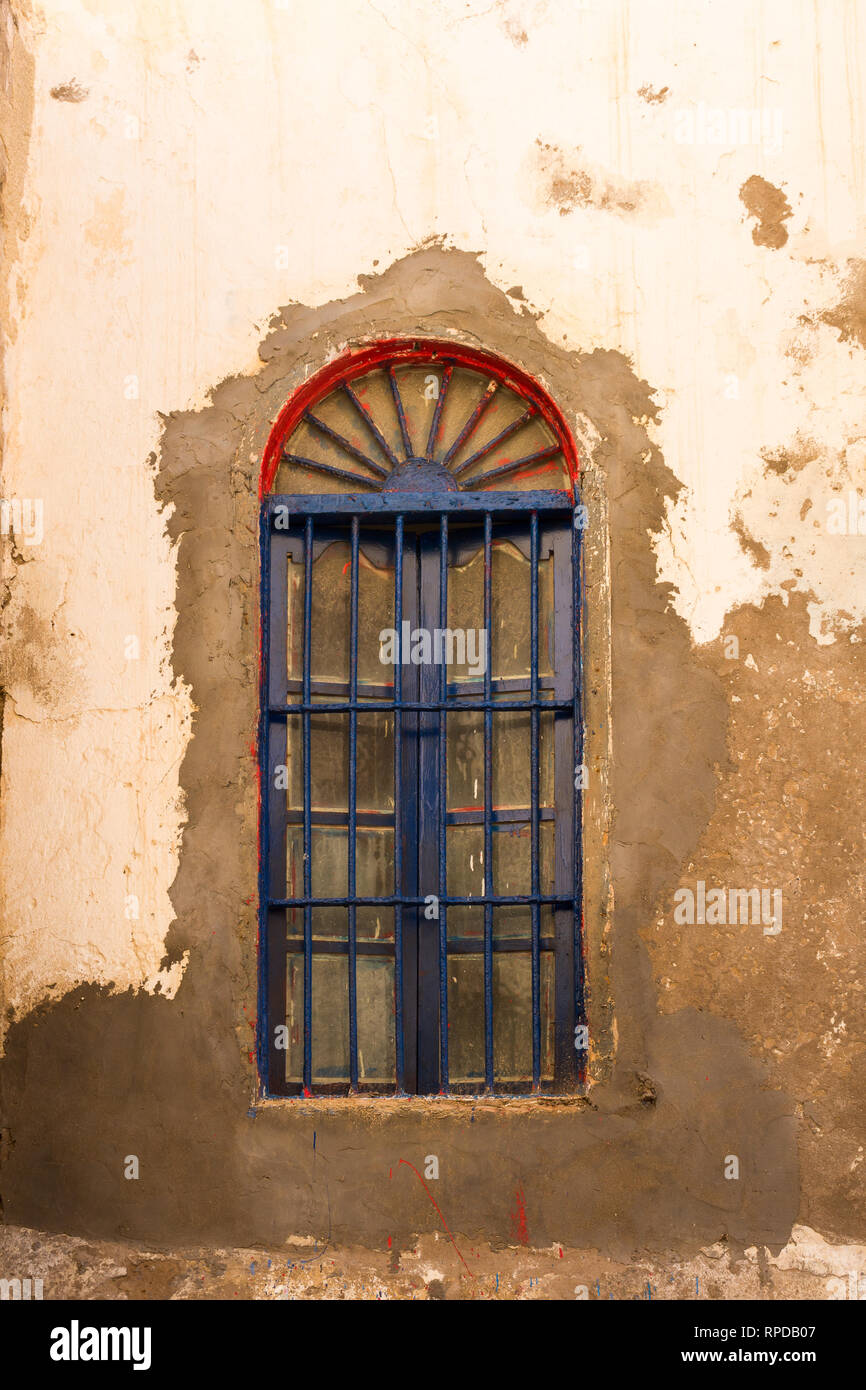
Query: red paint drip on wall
(439, 1213)
(518, 1218)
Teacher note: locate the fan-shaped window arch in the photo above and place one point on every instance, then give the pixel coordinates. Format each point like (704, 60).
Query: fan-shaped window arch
(421, 731)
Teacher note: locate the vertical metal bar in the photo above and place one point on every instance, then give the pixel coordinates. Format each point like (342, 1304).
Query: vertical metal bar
(308, 863)
(443, 801)
(411, 814)
(353, 793)
(533, 772)
(265, 1054)
(427, 761)
(398, 808)
(488, 809)
(274, 799)
(577, 677)
(565, 1063)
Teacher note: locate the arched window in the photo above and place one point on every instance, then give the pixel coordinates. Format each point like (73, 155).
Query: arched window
(421, 732)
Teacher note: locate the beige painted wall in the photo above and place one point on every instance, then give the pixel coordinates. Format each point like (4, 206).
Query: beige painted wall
(193, 164)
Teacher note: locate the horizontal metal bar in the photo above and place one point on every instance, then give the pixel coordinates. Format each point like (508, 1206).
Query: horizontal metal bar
(339, 945)
(420, 504)
(369, 689)
(510, 683)
(375, 706)
(341, 818)
(504, 815)
(467, 815)
(480, 900)
(384, 946)
(326, 687)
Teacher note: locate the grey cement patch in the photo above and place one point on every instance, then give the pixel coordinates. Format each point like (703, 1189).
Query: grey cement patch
(638, 1164)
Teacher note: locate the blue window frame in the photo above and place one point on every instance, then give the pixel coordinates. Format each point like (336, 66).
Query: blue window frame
(324, 970)
(421, 869)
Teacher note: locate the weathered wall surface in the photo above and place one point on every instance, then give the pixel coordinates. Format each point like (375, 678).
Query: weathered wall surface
(657, 211)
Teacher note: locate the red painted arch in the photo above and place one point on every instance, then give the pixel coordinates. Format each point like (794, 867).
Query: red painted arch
(360, 360)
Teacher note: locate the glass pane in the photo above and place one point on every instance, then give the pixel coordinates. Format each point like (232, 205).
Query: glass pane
(329, 761)
(329, 628)
(465, 849)
(330, 922)
(295, 1016)
(511, 638)
(466, 605)
(465, 921)
(375, 759)
(516, 920)
(512, 1015)
(295, 631)
(465, 739)
(374, 923)
(466, 1018)
(328, 874)
(330, 1018)
(512, 859)
(512, 746)
(511, 743)
(374, 861)
(375, 605)
(375, 994)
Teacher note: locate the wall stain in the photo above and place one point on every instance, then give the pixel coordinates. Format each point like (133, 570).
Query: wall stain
(653, 97)
(758, 553)
(566, 181)
(70, 91)
(849, 315)
(770, 207)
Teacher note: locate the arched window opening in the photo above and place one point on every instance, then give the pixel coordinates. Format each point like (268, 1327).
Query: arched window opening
(421, 736)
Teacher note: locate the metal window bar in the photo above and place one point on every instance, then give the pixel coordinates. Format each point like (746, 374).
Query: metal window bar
(488, 807)
(581, 1053)
(353, 799)
(443, 804)
(467, 703)
(451, 697)
(417, 900)
(533, 773)
(308, 833)
(400, 1059)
